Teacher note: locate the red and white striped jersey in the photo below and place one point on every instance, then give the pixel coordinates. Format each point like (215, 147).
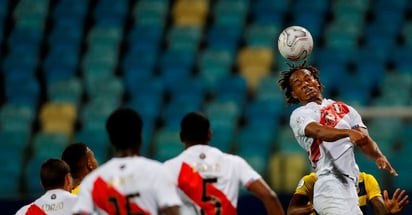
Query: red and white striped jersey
(324, 155)
(130, 185)
(209, 180)
(53, 202)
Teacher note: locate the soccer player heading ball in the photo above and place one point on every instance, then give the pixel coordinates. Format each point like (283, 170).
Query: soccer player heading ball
(329, 130)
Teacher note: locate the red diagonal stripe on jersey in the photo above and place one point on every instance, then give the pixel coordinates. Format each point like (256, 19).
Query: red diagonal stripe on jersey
(35, 210)
(329, 116)
(192, 183)
(107, 198)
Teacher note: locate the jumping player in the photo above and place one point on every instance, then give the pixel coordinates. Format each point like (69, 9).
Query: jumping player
(328, 130)
(57, 182)
(368, 192)
(208, 179)
(127, 183)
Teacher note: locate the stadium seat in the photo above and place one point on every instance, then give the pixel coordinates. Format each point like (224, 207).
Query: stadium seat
(230, 13)
(286, 169)
(66, 91)
(17, 118)
(97, 140)
(167, 144)
(184, 38)
(57, 68)
(58, 117)
(47, 145)
(153, 13)
(261, 35)
(32, 177)
(254, 139)
(232, 88)
(222, 109)
(144, 38)
(286, 142)
(23, 91)
(190, 13)
(221, 37)
(269, 12)
(254, 64)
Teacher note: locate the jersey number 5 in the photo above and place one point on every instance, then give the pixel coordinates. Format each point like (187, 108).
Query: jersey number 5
(212, 199)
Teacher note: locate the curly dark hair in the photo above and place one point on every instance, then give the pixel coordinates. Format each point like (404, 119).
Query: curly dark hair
(284, 83)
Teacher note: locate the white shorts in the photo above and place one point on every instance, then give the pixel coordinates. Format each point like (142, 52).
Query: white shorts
(332, 197)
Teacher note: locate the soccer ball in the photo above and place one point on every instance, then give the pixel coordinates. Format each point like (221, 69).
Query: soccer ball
(295, 43)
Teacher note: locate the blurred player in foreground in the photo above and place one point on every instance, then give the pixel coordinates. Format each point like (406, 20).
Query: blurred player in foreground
(81, 160)
(209, 180)
(127, 183)
(329, 130)
(368, 192)
(57, 182)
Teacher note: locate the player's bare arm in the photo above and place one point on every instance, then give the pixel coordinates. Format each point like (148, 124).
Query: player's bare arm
(269, 198)
(329, 134)
(371, 149)
(299, 205)
(398, 201)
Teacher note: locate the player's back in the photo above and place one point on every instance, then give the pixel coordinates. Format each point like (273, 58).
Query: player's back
(210, 178)
(53, 202)
(135, 184)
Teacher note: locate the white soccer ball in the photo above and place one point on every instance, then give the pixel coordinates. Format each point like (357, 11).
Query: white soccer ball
(295, 43)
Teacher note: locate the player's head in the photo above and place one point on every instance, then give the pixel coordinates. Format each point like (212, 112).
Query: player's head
(55, 173)
(295, 82)
(124, 127)
(80, 159)
(195, 129)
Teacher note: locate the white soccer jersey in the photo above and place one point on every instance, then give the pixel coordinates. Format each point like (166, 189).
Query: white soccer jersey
(321, 154)
(130, 185)
(209, 179)
(53, 202)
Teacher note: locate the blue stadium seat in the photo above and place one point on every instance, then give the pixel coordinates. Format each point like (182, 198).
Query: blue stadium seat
(57, 68)
(261, 35)
(66, 91)
(32, 177)
(166, 144)
(46, 145)
(97, 140)
(223, 37)
(232, 88)
(145, 38)
(152, 13)
(213, 65)
(93, 114)
(111, 9)
(23, 91)
(269, 12)
(286, 142)
(16, 118)
(184, 38)
(230, 13)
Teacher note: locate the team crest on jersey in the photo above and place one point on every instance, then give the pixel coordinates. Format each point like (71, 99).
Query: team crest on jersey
(333, 113)
(202, 156)
(53, 196)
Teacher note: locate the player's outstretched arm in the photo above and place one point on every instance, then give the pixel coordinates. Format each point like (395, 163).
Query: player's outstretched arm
(269, 198)
(398, 201)
(299, 205)
(371, 149)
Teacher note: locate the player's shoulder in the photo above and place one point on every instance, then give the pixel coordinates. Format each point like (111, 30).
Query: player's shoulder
(363, 176)
(310, 177)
